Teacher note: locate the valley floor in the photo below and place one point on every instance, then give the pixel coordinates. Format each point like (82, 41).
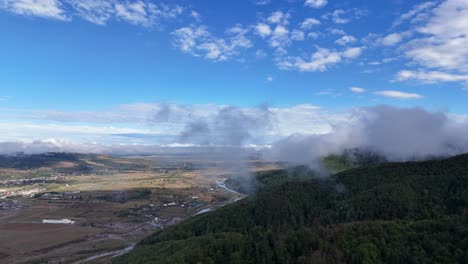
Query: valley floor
(112, 211)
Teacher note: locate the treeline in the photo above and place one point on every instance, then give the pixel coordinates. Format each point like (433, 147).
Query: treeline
(414, 212)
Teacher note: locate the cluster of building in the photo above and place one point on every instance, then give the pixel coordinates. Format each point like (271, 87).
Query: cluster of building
(72, 195)
(23, 182)
(149, 211)
(16, 193)
(9, 205)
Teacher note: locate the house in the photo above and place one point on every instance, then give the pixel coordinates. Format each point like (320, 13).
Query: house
(63, 221)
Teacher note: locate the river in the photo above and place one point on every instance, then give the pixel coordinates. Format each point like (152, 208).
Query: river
(111, 254)
(116, 253)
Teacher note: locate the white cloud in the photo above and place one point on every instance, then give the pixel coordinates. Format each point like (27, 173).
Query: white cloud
(262, 2)
(143, 123)
(321, 60)
(309, 23)
(136, 12)
(398, 94)
(311, 130)
(278, 17)
(447, 43)
(275, 31)
(64, 145)
(186, 38)
(392, 39)
(337, 17)
(352, 53)
(269, 78)
(260, 54)
(297, 35)
(42, 8)
(313, 35)
(342, 16)
(196, 15)
(345, 40)
(397, 133)
(197, 41)
(413, 12)
(444, 41)
(431, 76)
(357, 89)
(94, 11)
(280, 39)
(374, 63)
(99, 12)
(336, 31)
(440, 43)
(139, 12)
(169, 11)
(316, 3)
(305, 132)
(33, 130)
(263, 30)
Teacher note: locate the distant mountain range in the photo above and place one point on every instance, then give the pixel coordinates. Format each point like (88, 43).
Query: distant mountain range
(411, 212)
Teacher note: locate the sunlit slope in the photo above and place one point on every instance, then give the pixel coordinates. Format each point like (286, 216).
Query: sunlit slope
(414, 212)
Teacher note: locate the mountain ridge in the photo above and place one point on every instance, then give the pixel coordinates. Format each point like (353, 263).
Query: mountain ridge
(393, 212)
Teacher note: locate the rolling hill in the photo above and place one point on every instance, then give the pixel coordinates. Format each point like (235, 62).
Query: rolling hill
(71, 162)
(412, 212)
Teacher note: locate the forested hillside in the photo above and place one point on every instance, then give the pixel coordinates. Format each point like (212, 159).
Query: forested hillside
(414, 212)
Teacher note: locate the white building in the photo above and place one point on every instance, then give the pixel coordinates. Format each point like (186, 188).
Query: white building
(63, 221)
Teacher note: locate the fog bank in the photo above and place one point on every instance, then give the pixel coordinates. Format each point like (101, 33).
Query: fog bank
(398, 134)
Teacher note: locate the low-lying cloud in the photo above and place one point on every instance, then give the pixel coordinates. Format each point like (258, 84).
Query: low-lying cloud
(397, 133)
(230, 127)
(299, 135)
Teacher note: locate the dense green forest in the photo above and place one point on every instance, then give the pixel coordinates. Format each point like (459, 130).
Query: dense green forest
(413, 212)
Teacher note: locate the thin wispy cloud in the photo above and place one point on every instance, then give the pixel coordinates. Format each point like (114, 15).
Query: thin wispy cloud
(316, 3)
(52, 9)
(415, 13)
(399, 94)
(4, 98)
(100, 12)
(431, 76)
(357, 89)
(345, 16)
(198, 41)
(321, 60)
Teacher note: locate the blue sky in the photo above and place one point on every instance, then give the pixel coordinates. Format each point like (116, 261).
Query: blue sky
(80, 59)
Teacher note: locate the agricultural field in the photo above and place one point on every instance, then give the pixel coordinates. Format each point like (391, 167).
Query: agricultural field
(113, 202)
